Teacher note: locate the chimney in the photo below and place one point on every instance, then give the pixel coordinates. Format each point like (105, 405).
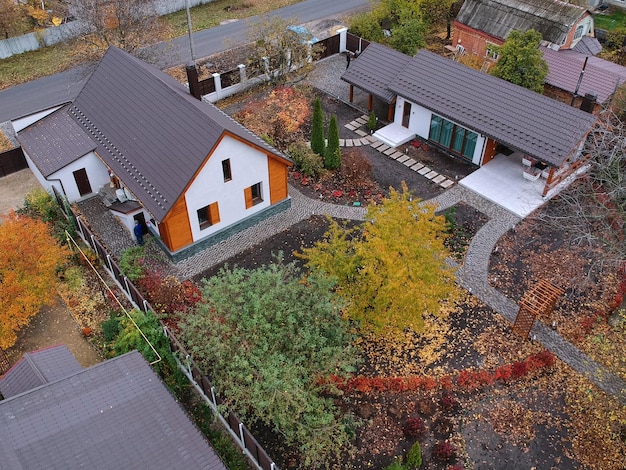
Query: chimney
(192, 78)
(589, 102)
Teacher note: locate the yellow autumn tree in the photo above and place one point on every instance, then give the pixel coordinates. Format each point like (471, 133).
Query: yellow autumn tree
(29, 257)
(392, 270)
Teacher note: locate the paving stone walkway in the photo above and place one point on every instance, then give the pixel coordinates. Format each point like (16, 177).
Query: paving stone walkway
(472, 275)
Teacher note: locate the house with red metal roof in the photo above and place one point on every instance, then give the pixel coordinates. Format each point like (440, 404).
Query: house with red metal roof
(115, 414)
(180, 166)
(482, 24)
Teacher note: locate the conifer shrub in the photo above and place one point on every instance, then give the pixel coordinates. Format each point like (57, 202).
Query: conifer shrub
(332, 155)
(318, 145)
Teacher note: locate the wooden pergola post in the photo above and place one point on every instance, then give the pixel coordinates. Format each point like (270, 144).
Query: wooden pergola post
(351, 92)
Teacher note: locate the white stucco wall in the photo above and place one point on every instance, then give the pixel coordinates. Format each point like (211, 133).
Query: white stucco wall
(420, 125)
(248, 166)
(96, 172)
(26, 121)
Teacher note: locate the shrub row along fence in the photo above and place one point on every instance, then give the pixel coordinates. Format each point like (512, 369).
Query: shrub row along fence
(201, 382)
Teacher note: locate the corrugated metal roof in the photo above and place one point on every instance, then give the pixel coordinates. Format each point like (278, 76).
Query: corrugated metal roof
(565, 71)
(588, 46)
(552, 18)
(150, 131)
(38, 368)
(374, 69)
(55, 141)
(522, 119)
(116, 414)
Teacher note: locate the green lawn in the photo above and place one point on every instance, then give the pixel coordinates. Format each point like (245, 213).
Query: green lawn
(616, 19)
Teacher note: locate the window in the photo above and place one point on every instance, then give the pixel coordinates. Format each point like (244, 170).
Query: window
(226, 170)
(253, 195)
(580, 30)
(208, 215)
(452, 136)
(492, 51)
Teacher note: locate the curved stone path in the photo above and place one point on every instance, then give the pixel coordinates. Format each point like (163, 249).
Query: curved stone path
(473, 276)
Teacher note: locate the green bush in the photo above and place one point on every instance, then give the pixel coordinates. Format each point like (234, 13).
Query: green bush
(414, 456)
(317, 130)
(111, 328)
(371, 121)
(131, 263)
(306, 160)
(332, 156)
(396, 465)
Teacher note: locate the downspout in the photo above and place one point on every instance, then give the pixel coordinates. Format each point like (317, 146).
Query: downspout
(580, 79)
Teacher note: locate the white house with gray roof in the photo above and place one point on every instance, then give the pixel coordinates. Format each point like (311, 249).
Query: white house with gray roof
(475, 116)
(179, 165)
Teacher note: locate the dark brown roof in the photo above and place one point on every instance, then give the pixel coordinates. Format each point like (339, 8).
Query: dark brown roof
(150, 131)
(374, 70)
(38, 368)
(55, 141)
(552, 18)
(565, 71)
(116, 414)
(522, 119)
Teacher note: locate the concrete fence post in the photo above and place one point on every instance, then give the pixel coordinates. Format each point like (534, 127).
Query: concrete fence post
(343, 39)
(217, 79)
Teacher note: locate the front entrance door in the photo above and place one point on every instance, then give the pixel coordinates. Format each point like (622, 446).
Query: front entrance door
(406, 114)
(82, 182)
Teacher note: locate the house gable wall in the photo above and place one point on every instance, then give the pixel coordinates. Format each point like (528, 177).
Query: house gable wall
(249, 166)
(587, 22)
(63, 180)
(473, 41)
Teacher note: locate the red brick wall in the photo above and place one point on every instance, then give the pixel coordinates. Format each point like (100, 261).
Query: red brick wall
(474, 41)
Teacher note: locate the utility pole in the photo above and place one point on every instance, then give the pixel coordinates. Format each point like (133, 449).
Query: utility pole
(190, 29)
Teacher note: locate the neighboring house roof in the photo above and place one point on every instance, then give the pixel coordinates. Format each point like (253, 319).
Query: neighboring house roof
(374, 69)
(565, 72)
(552, 18)
(519, 118)
(116, 414)
(38, 368)
(588, 46)
(55, 141)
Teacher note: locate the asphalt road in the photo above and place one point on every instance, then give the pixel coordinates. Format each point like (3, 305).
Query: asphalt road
(44, 93)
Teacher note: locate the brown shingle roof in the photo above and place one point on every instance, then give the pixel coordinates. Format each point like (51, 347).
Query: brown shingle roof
(374, 69)
(148, 128)
(55, 141)
(522, 119)
(552, 18)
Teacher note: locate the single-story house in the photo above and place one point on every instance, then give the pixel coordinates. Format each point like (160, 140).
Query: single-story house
(482, 24)
(474, 116)
(116, 414)
(573, 75)
(180, 166)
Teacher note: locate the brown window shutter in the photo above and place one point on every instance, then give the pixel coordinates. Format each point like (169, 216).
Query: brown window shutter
(248, 194)
(214, 213)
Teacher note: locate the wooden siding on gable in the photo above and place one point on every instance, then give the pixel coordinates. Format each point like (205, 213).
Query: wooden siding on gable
(278, 180)
(175, 229)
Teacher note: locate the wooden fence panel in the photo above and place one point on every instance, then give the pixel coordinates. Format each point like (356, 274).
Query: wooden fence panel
(251, 443)
(330, 46)
(12, 161)
(207, 86)
(233, 422)
(232, 77)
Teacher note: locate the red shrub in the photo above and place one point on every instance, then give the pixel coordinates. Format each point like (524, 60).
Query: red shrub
(444, 452)
(468, 380)
(428, 383)
(414, 427)
(503, 373)
(448, 403)
(519, 370)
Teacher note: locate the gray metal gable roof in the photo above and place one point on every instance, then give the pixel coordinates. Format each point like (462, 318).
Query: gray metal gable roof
(552, 18)
(116, 414)
(588, 46)
(522, 119)
(54, 142)
(151, 132)
(38, 368)
(565, 71)
(374, 69)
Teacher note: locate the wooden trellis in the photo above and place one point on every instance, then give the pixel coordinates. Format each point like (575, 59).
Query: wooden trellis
(539, 300)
